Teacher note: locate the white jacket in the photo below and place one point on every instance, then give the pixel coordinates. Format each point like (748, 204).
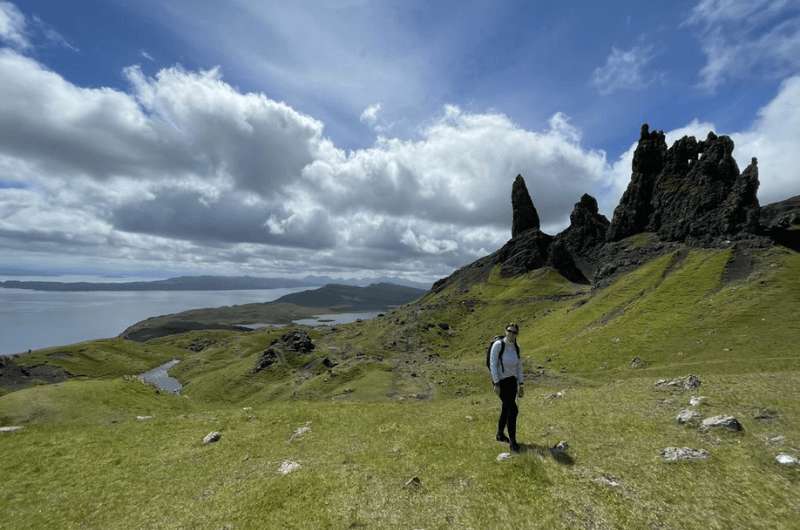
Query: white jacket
(512, 364)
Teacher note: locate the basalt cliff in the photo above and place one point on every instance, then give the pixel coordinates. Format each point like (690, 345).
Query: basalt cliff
(689, 194)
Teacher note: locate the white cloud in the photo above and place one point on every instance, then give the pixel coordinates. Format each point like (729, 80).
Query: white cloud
(185, 170)
(746, 39)
(12, 26)
(370, 114)
(146, 55)
(624, 70)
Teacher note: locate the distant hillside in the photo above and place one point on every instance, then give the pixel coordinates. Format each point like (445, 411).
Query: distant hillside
(374, 296)
(333, 298)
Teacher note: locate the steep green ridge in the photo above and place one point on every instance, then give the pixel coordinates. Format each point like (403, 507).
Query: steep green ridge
(409, 396)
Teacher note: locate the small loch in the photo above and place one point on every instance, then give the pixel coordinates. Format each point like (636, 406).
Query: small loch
(159, 378)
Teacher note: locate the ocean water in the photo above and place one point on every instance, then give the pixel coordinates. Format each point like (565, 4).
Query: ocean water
(39, 319)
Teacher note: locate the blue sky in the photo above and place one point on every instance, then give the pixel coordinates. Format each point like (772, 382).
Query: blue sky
(381, 137)
(525, 59)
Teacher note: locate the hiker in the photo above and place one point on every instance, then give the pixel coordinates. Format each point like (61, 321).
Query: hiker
(506, 368)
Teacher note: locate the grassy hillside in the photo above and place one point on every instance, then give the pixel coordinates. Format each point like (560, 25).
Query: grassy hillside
(409, 396)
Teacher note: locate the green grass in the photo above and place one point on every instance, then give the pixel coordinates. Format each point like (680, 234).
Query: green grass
(408, 398)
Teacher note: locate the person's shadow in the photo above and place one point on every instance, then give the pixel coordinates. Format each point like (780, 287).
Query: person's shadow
(557, 454)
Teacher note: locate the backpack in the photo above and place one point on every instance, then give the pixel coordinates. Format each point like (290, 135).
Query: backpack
(502, 349)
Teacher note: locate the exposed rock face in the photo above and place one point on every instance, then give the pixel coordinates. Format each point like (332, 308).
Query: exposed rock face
(691, 191)
(587, 227)
(674, 454)
(781, 222)
(632, 215)
(727, 422)
(524, 216)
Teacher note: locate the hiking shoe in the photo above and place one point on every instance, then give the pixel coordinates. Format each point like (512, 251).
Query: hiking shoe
(514, 446)
(501, 437)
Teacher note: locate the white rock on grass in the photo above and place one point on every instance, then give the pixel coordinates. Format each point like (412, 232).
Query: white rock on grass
(674, 454)
(696, 400)
(287, 466)
(786, 459)
(607, 480)
(212, 437)
(503, 456)
(300, 431)
(728, 422)
(687, 416)
(690, 382)
(11, 428)
(144, 418)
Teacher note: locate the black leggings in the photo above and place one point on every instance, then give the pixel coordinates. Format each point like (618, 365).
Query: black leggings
(508, 414)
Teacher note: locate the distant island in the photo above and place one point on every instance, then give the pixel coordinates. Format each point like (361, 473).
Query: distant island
(184, 283)
(329, 299)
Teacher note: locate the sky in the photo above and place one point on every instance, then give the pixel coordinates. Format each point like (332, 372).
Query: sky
(355, 138)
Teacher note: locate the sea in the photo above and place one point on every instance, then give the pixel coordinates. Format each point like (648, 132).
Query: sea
(40, 319)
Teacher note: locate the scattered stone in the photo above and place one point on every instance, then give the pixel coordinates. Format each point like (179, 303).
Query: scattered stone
(786, 459)
(413, 483)
(689, 382)
(300, 431)
(674, 454)
(776, 439)
(287, 466)
(687, 416)
(444, 326)
(503, 456)
(766, 414)
(212, 437)
(11, 428)
(247, 408)
(555, 395)
(607, 480)
(696, 400)
(561, 447)
(328, 363)
(728, 422)
(637, 362)
(469, 418)
(143, 418)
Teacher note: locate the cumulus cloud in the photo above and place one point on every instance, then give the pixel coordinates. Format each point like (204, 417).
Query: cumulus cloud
(746, 38)
(624, 70)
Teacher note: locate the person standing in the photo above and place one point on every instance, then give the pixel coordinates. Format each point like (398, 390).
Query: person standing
(505, 365)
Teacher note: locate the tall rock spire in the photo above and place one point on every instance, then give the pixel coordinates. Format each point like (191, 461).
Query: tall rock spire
(524, 215)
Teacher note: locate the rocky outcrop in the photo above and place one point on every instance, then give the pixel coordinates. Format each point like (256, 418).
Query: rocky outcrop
(692, 191)
(290, 343)
(524, 216)
(781, 222)
(632, 215)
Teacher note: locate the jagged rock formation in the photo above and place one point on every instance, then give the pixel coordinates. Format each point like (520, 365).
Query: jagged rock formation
(692, 191)
(586, 231)
(524, 216)
(633, 213)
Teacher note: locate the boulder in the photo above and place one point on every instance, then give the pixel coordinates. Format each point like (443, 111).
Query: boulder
(689, 382)
(696, 400)
(413, 483)
(11, 428)
(503, 456)
(288, 466)
(727, 422)
(687, 416)
(675, 454)
(213, 436)
(297, 341)
(637, 362)
(786, 459)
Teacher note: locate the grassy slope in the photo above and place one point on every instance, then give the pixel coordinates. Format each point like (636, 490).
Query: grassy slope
(72, 465)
